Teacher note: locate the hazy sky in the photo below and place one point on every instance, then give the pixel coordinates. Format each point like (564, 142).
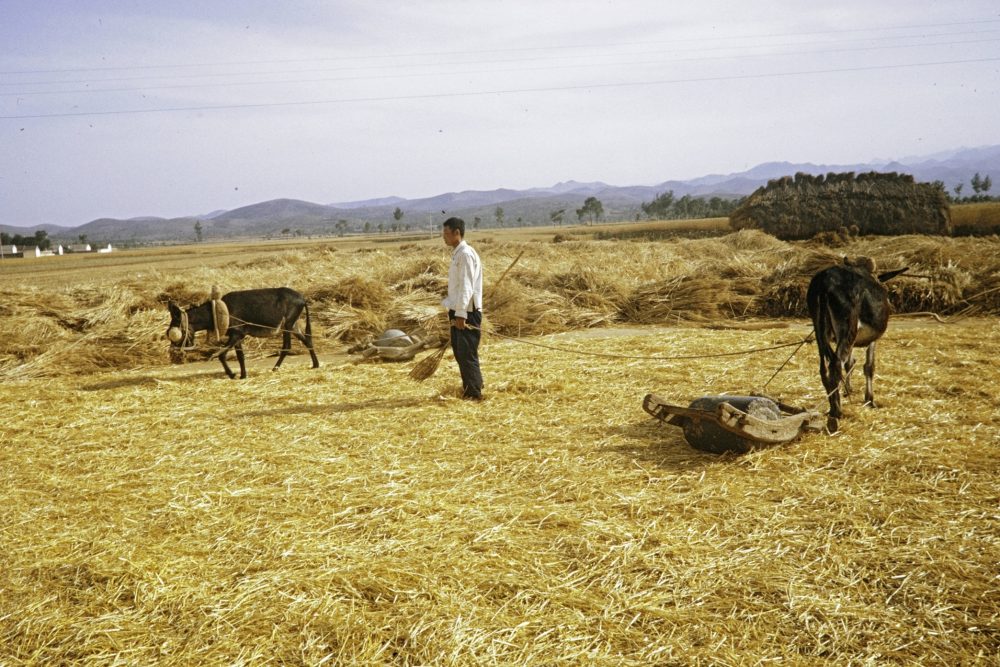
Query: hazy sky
(170, 108)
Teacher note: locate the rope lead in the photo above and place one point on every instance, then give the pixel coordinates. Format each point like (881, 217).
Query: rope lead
(608, 355)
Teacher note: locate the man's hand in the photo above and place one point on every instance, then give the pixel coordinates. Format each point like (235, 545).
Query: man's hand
(458, 322)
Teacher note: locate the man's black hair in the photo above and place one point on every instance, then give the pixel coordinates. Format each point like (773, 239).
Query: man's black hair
(455, 224)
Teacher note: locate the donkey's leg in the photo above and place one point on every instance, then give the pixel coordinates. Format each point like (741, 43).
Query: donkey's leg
(241, 358)
(230, 342)
(848, 369)
(870, 375)
(307, 340)
(836, 374)
(286, 342)
(828, 372)
(832, 386)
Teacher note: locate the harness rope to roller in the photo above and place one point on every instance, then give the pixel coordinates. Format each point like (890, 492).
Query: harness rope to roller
(679, 357)
(229, 319)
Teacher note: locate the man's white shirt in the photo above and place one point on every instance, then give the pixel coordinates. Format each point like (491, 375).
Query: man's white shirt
(465, 281)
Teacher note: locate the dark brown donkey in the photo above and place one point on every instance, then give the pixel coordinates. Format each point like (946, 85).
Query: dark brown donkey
(255, 312)
(849, 307)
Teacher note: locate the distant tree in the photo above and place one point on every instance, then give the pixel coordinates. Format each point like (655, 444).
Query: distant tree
(520, 221)
(498, 214)
(659, 208)
(341, 227)
(958, 190)
(976, 183)
(197, 233)
(557, 216)
(684, 207)
(83, 238)
(475, 222)
(381, 228)
(42, 239)
(593, 208)
(368, 227)
(286, 231)
(986, 184)
(4, 238)
(397, 215)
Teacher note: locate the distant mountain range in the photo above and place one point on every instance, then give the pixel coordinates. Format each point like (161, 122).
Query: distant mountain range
(533, 206)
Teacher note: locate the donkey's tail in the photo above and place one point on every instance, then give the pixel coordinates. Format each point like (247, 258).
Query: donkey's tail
(824, 326)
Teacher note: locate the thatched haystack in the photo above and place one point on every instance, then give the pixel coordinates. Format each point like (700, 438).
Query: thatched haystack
(869, 203)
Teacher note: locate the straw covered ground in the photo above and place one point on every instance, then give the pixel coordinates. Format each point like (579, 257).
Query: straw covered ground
(158, 514)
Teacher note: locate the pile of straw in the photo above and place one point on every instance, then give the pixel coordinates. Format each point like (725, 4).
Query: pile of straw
(873, 202)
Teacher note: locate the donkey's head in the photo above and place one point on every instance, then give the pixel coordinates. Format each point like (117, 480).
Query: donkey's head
(179, 332)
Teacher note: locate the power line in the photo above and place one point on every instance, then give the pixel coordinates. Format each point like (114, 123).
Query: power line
(490, 62)
(369, 77)
(394, 98)
(589, 46)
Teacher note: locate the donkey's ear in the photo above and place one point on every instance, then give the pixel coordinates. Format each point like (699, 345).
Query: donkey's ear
(173, 308)
(889, 275)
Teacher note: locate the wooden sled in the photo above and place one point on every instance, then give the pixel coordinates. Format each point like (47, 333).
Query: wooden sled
(720, 424)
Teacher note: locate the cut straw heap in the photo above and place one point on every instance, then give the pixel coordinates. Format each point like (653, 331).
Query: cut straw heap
(428, 366)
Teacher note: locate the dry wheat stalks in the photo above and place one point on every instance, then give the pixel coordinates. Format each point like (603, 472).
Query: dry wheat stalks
(149, 519)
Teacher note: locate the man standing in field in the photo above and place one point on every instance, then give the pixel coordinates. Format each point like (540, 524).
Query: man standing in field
(465, 305)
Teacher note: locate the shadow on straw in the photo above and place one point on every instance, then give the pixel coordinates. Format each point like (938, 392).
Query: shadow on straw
(652, 443)
(153, 380)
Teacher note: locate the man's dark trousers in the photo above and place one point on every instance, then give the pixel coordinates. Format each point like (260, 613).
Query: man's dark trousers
(465, 344)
